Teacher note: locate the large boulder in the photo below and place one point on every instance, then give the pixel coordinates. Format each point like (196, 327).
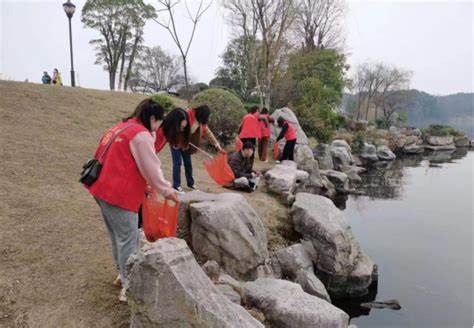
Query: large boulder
(352, 173)
(439, 141)
(229, 231)
(169, 289)
(303, 154)
(411, 145)
(385, 154)
(328, 190)
(341, 154)
(294, 262)
(289, 116)
(314, 182)
(285, 304)
(461, 141)
(339, 179)
(369, 153)
(337, 257)
(285, 178)
(322, 152)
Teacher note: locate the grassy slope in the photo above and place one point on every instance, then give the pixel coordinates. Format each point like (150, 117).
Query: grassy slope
(56, 263)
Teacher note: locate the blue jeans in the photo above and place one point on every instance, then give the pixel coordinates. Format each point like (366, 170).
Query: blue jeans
(185, 155)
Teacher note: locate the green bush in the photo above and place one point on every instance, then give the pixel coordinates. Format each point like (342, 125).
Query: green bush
(226, 112)
(439, 130)
(164, 101)
(358, 143)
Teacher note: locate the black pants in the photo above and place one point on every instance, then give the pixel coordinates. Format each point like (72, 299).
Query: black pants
(288, 150)
(254, 142)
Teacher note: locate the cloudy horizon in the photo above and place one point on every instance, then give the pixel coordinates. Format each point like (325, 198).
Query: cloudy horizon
(434, 39)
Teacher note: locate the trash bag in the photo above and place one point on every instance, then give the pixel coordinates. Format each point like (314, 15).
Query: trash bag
(160, 216)
(219, 170)
(238, 144)
(276, 151)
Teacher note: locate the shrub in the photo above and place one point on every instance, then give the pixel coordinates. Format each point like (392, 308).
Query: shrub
(358, 143)
(439, 130)
(226, 112)
(164, 101)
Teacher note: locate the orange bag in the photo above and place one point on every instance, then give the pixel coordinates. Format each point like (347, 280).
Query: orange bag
(276, 151)
(160, 218)
(238, 144)
(219, 170)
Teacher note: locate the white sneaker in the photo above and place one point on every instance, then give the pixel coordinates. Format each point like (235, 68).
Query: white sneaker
(123, 295)
(193, 188)
(178, 190)
(118, 282)
(278, 162)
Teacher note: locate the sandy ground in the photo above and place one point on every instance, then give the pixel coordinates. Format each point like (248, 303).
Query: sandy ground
(56, 265)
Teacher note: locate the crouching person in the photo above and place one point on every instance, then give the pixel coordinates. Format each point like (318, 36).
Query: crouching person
(241, 164)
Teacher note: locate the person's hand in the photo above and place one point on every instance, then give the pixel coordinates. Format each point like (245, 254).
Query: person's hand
(172, 196)
(253, 174)
(220, 150)
(258, 174)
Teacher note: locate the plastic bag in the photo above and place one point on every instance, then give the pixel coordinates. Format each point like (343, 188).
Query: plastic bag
(276, 151)
(219, 170)
(238, 145)
(160, 216)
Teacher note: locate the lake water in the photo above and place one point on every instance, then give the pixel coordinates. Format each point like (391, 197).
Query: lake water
(416, 223)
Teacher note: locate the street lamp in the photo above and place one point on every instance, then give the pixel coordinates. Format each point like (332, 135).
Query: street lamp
(69, 9)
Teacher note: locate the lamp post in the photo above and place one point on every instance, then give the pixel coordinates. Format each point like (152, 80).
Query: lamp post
(69, 9)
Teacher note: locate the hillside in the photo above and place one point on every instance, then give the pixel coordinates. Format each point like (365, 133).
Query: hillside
(456, 110)
(57, 266)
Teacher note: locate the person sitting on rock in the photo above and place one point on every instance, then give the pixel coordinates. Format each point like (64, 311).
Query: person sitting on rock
(289, 133)
(46, 79)
(241, 164)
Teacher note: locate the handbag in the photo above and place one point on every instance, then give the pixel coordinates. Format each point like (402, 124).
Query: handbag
(91, 169)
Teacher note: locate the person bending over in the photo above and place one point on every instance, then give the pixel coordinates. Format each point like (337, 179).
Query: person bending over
(289, 133)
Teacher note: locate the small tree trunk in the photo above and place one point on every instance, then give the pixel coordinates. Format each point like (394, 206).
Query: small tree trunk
(112, 79)
(188, 96)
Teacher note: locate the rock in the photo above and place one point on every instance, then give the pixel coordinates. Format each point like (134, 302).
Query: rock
(341, 154)
(183, 230)
(461, 141)
(314, 182)
(393, 130)
(329, 190)
(284, 179)
(302, 154)
(450, 148)
(385, 154)
(212, 270)
(439, 141)
(369, 153)
(352, 173)
(341, 143)
(390, 304)
(337, 257)
(417, 133)
(293, 262)
(169, 289)
(357, 160)
(288, 115)
(230, 293)
(285, 304)
(339, 179)
(322, 152)
(230, 232)
(225, 279)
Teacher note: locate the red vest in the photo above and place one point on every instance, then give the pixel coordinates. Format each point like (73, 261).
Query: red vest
(192, 119)
(265, 130)
(250, 127)
(160, 140)
(290, 132)
(120, 182)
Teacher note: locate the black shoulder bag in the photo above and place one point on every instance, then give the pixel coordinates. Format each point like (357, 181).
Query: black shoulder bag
(91, 169)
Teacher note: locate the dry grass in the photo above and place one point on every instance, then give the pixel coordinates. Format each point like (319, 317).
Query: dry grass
(56, 266)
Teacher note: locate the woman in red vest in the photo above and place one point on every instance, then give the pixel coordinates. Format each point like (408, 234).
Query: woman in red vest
(198, 118)
(174, 130)
(289, 133)
(249, 130)
(128, 165)
(265, 134)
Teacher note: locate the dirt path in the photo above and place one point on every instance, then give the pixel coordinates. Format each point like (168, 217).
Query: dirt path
(56, 265)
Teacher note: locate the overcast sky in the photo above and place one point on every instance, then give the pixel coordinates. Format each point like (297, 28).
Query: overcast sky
(434, 39)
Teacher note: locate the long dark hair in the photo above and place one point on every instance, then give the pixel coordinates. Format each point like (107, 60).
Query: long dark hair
(202, 114)
(253, 109)
(264, 110)
(145, 110)
(172, 128)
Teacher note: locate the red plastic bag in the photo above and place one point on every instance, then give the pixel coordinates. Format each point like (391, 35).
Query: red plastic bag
(276, 151)
(219, 170)
(238, 144)
(160, 217)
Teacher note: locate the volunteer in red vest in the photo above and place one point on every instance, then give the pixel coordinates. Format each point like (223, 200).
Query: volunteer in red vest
(289, 133)
(198, 118)
(174, 130)
(249, 130)
(264, 140)
(128, 165)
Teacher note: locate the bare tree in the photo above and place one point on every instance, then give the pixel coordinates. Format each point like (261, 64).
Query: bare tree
(319, 22)
(378, 85)
(170, 26)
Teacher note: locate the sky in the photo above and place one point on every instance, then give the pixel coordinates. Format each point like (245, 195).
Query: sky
(433, 39)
